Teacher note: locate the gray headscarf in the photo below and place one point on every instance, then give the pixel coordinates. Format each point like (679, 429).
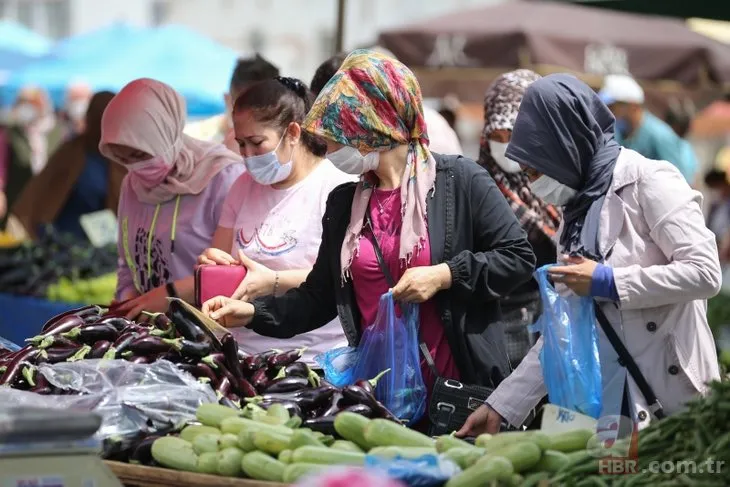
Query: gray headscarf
(565, 131)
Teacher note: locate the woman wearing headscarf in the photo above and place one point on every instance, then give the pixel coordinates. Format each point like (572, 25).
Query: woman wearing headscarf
(539, 219)
(633, 238)
(447, 235)
(172, 196)
(77, 180)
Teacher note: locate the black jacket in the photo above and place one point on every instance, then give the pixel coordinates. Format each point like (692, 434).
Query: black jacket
(471, 228)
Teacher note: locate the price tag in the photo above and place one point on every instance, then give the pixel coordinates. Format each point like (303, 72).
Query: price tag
(558, 420)
(100, 227)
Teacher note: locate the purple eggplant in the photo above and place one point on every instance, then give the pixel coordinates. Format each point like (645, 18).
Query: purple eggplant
(55, 355)
(92, 333)
(285, 358)
(14, 368)
(142, 453)
(292, 407)
(189, 348)
(370, 385)
(335, 405)
(230, 351)
(58, 341)
(139, 359)
(117, 322)
(357, 395)
(149, 345)
(297, 369)
(361, 409)
(121, 344)
(172, 356)
(203, 370)
(286, 384)
(252, 363)
(323, 424)
(245, 388)
(229, 403)
(100, 348)
(223, 386)
(383, 412)
(186, 323)
(135, 328)
(306, 399)
(260, 379)
(44, 391)
(83, 312)
(63, 325)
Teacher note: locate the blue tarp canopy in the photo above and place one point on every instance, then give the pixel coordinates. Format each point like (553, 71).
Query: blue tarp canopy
(15, 37)
(107, 59)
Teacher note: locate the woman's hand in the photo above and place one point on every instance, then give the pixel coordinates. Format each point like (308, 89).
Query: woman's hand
(483, 420)
(229, 312)
(578, 275)
(213, 256)
(154, 301)
(259, 280)
(419, 284)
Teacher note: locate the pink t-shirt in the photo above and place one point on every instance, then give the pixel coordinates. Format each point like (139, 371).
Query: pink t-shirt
(370, 283)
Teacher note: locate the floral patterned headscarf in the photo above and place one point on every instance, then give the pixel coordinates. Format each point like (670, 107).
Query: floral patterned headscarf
(374, 103)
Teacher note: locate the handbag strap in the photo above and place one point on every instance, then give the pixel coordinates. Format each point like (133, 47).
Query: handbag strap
(628, 361)
(391, 283)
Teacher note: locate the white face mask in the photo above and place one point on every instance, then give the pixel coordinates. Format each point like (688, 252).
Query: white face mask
(76, 109)
(508, 165)
(349, 160)
(25, 113)
(267, 169)
(552, 191)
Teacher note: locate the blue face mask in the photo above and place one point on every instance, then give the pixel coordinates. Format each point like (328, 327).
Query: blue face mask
(267, 169)
(622, 127)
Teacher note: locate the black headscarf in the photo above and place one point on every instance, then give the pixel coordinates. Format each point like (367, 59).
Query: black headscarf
(92, 132)
(565, 131)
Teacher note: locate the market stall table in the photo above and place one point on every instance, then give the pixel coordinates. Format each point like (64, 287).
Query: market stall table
(141, 476)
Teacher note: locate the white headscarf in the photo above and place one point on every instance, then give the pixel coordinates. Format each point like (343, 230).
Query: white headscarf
(149, 116)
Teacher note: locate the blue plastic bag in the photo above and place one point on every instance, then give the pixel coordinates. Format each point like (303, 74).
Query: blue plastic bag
(424, 471)
(569, 357)
(389, 343)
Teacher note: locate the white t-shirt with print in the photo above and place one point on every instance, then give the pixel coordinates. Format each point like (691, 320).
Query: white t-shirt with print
(282, 229)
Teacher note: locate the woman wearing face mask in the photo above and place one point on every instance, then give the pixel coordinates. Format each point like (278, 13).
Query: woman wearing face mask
(171, 198)
(271, 220)
(447, 235)
(540, 220)
(637, 243)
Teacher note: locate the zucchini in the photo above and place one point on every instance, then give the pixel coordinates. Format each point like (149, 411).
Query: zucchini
(229, 462)
(551, 461)
(190, 432)
(346, 446)
(495, 469)
(535, 479)
(496, 442)
(245, 441)
(409, 452)
(234, 426)
(303, 438)
(211, 414)
(208, 463)
(227, 440)
(351, 427)
(516, 480)
(381, 432)
(206, 443)
(296, 471)
(523, 455)
(294, 422)
(571, 441)
(175, 453)
(447, 442)
(327, 456)
(285, 456)
(327, 440)
(464, 457)
(278, 413)
(270, 442)
(260, 466)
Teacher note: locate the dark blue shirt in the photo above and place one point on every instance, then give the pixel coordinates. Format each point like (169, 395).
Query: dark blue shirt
(88, 195)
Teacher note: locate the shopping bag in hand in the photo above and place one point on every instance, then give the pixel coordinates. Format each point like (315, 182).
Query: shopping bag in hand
(569, 355)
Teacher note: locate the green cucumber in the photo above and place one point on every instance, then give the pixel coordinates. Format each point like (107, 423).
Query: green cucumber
(496, 469)
(234, 426)
(571, 441)
(346, 446)
(535, 479)
(245, 441)
(551, 461)
(208, 463)
(285, 456)
(409, 452)
(493, 443)
(464, 457)
(523, 455)
(211, 414)
(190, 432)
(327, 440)
(303, 438)
(327, 456)
(206, 443)
(381, 432)
(296, 471)
(351, 426)
(516, 480)
(270, 442)
(175, 453)
(227, 440)
(229, 462)
(260, 466)
(279, 413)
(446, 442)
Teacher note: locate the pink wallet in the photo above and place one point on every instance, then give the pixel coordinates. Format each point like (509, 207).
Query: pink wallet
(217, 280)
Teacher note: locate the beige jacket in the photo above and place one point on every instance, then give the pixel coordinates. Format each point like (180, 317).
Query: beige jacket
(665, 266)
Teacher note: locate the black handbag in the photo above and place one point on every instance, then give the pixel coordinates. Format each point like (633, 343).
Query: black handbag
(451, 401)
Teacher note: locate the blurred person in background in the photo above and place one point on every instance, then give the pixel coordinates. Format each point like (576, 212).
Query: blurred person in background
(642, 131)
(271, 219)
(718, 200)
(540, 220)
(171, 198)
(442, 137)
(77, 180)
(73, 113)
(220, 127)
(30, 137)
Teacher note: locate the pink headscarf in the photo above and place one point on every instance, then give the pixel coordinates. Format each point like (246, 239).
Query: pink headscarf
(149, 116)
